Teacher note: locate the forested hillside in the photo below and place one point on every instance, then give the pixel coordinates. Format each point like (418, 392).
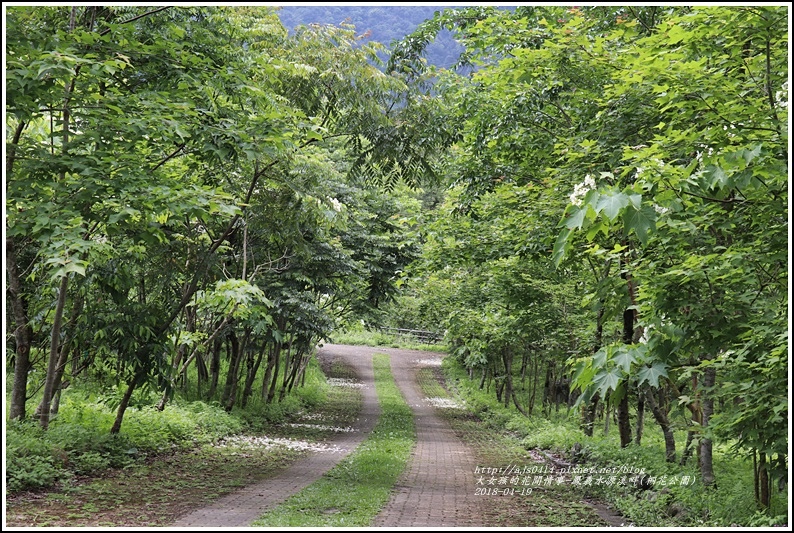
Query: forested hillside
(384, 24)
(596, 218)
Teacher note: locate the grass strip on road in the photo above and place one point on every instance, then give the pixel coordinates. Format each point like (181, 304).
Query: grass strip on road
(354, 491)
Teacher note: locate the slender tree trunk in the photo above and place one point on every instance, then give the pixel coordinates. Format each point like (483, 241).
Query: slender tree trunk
(215, 367)
(706, 464)
(271, 361)
(507, 359)
(230, 390)
(763, 481)
(624, 424)
(271, 393)
(660, 415)
(125, 401)
(590, 415)
(589, 410)
(253, 367)
(288, 361)
(52, 365)
(23, 334)
(534, 393)
(63, 358)
(640, 420)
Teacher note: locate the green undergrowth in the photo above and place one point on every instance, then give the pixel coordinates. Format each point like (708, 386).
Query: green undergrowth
(167, 486)
(677, 497)
(353, 492)
(360, 337)
(78, 441)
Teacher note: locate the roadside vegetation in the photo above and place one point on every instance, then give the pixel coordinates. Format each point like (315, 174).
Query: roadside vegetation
(176, 460)
(556, 440)
(596, 216)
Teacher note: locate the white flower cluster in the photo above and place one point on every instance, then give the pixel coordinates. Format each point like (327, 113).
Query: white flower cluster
(250, 442)
(428, 362)
(581, 189)
(321, 427)
(699, 154)
(781, 97)
(336, 204)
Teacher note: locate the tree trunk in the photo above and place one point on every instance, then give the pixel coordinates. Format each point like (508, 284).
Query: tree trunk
(706, 464)
(288, 364)
(271, 393)
(624, 424)
(534, 391)
(215, 367)
(125, 401)
(640, 420)
(52, 365)
(590, 415)
(271, 361)
(507, 359)
(252, 365)
(23, 335)
(230, 389)
(63, 357)
(763, 481)
(660, 415)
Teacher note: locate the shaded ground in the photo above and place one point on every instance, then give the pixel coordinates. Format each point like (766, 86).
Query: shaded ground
(170, 486)
(439, 488)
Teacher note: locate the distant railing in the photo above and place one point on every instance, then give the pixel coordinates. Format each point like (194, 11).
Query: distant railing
(425, 337)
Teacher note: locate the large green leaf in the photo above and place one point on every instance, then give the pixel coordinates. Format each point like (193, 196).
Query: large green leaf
(642, 222)
(651, 374)
(611, 203)
(607, 380)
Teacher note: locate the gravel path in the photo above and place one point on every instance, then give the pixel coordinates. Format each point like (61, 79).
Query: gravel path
(241, 508)
(437, 488)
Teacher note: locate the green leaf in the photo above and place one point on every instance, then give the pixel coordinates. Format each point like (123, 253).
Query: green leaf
(561, 246)
(575, 218)
(715, 176)
(606, 380)
(624, 357)
(612, 203)
(652, 373)
(642, 222)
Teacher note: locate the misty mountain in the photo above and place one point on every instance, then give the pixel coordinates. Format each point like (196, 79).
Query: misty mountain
(385, 24)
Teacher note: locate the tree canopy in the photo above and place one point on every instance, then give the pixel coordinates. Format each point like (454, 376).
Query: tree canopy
(595, 211)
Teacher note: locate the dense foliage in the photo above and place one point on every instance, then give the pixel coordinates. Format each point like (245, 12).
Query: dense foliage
(195, 196)
(615, 235)
(186, 200)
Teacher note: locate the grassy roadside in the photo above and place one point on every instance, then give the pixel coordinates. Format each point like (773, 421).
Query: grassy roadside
(556, 505)
(154, 493)
(353, 492)
(667, 502)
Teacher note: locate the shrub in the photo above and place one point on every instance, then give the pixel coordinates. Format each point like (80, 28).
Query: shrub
(31, 472)
(89, 463)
